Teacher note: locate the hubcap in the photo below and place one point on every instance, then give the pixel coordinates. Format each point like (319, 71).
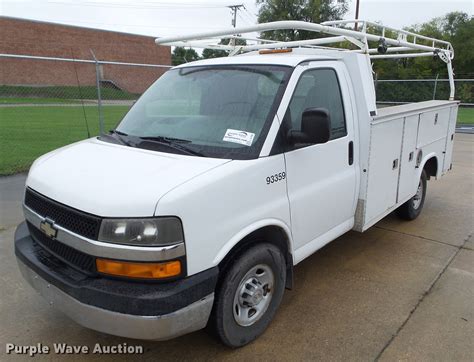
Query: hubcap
(418, 196)
(253, 295)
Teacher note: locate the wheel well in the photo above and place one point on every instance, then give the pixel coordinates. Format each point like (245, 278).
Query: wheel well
(431, 167)
(269, 234)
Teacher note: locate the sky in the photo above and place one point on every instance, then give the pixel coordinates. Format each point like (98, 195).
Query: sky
(174, 17)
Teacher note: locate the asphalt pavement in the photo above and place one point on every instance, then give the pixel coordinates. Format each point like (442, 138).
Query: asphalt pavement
(12, 189)
(400, 291)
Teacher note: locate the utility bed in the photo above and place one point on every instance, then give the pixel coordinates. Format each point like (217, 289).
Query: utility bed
(397, 136)
(394, 143)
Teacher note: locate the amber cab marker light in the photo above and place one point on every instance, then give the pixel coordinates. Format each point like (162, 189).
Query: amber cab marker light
(139, 270)
(275, 51)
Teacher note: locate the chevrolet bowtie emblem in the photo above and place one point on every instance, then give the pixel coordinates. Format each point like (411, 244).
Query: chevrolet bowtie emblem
(47, 227)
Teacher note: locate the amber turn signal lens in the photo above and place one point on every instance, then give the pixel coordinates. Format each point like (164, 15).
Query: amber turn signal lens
(139, 270)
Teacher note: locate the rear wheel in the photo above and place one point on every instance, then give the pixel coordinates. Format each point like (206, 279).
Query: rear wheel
(249, 295)
(412, 208)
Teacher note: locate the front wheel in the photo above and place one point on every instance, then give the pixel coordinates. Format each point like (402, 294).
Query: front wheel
(412, 208)
(249, 295)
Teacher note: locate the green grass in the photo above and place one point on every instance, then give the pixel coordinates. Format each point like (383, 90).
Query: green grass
(466, 116)
(28, 132)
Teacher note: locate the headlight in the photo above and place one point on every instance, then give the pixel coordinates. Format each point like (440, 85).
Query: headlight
(142, 232)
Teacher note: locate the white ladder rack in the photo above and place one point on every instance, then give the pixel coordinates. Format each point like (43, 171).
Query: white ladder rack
(391, 43)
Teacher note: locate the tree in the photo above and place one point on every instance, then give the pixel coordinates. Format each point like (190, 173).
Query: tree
(216, 53)
(463, 43)
(455, 27)
(453, 22)
(182, 55)
(315, 11)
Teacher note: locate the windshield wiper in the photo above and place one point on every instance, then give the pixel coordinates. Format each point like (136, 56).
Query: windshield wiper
(121, 139)
(175, 143)
(165, 139)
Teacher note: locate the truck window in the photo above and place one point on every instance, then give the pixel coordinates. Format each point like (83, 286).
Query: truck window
(219, 111)
(318, 88)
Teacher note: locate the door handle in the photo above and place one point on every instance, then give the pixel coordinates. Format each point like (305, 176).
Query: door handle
(351, 153)
(395, 164)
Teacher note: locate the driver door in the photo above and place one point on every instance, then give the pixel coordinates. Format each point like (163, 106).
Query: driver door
(321, 178)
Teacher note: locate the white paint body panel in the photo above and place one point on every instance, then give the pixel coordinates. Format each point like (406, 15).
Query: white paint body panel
(407, 188)
(448, 156)
(112, 180)
(426, 129)
(386, 139)
(320, 177)
(224, 206)
(221, 201)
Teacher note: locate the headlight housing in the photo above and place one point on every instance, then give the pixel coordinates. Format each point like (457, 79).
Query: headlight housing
(142, 232)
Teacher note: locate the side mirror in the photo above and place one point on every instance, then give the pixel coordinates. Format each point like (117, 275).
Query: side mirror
(315, 127)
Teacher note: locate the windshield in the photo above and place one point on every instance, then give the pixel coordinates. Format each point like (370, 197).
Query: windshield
(218, 111)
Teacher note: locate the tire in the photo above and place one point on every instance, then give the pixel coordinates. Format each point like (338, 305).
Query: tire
(260, 271)
(412, 208)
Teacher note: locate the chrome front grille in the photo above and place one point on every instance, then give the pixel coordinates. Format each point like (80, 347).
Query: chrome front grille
(71, 256)
(78, 222)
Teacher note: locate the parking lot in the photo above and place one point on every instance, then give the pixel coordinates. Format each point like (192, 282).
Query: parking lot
(400, 291)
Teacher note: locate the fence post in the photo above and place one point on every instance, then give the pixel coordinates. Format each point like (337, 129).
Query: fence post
(435, 85)
(99, 97)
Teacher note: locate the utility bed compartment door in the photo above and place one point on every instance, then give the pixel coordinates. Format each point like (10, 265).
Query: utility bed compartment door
(433, 126)
(384, 163)
(448, 156)
(399, 136)
(408, 183)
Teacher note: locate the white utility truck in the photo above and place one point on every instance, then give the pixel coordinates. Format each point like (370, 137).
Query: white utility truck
(224, 175)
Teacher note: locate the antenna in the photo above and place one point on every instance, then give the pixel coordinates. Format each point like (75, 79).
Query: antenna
(80, 95)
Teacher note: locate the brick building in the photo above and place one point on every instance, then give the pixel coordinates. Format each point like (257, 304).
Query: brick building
(26, 37)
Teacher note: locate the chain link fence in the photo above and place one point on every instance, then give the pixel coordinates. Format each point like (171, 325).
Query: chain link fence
(46, 103)
(399, 91)
(418, 90)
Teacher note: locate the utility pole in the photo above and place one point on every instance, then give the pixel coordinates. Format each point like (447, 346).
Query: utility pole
(356, 15)
(234, 9)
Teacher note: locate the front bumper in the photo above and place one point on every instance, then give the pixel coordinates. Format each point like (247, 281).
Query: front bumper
(140, 310)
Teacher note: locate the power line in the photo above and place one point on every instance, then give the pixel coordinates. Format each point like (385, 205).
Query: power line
(74, 22)
(143, 6)
(253, 21)
(245, 20)
(250, 15)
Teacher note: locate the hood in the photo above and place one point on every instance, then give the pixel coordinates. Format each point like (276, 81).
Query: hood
(111, 180)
